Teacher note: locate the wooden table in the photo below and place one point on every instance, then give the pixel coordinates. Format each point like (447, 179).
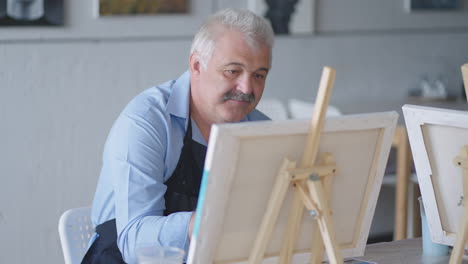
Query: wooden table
(405, 251)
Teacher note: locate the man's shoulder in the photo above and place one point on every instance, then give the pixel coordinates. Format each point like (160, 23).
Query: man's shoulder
(256, 115)
(149, 100)
(160, 96)
(153, 98)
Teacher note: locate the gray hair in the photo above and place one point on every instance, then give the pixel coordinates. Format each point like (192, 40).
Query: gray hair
(256, 30)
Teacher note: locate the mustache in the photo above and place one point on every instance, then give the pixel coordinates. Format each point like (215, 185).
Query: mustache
(239, 96)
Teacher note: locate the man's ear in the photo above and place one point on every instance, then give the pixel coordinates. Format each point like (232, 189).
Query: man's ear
(195, 64)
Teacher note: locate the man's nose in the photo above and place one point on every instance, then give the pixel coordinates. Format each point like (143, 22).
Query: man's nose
(245, 84)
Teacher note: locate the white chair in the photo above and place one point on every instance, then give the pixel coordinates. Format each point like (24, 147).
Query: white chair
(75, 231)
(299, 109)
(273, 108)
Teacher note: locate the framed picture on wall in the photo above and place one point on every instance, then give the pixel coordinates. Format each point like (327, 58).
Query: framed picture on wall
(31, 12)
(142, 7)
(287, 17)
(83, 21)
(431, 5)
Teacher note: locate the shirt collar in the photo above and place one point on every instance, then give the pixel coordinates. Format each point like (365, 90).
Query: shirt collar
(178, 102)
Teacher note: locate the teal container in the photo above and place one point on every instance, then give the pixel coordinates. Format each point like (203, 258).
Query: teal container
(429, 248)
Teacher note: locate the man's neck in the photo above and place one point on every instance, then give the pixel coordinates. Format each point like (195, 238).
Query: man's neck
(203, 125)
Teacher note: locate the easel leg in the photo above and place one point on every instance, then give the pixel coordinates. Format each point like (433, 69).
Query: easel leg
(292, 231)
(403, 174)
(317, 246)
(325, 222)
(317, 241)
(459, 247)
(270, 217)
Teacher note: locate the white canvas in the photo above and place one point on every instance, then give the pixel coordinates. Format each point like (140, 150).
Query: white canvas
(436, 137)
(242, 164)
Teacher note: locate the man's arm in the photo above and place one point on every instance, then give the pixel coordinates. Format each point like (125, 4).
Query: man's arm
(135, 156)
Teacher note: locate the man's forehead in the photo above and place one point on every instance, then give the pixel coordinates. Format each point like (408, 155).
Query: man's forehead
(240, 64)
(231, 47)
(254, 42)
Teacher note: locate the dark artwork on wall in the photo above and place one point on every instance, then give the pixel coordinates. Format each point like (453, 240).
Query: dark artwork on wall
(433, 4)
(279, 13)
(31, 12)
(138, 7)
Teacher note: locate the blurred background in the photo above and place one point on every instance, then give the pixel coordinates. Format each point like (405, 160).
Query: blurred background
(62, 86)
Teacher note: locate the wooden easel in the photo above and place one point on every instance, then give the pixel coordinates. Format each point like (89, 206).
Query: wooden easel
(462, 161)
(312, 183)
(458, 249)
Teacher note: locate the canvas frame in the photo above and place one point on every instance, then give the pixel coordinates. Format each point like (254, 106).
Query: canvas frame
(222, 179)
(436, 137)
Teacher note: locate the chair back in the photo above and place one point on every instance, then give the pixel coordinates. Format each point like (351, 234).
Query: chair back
(75, 231)
(273, 108)
(299, 109)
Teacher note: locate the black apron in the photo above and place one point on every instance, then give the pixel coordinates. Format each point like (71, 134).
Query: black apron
(181, 195)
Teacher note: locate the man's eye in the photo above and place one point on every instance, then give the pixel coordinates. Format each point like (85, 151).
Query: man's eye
(231, 72)
(259, 76)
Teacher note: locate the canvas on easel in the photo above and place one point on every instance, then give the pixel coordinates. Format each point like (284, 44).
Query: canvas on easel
(438, 139)
(242, 164)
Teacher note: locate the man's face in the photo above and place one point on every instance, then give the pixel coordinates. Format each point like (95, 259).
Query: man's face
(232, 84)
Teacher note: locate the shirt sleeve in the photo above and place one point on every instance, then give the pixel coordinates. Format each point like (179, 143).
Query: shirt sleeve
(134, 155)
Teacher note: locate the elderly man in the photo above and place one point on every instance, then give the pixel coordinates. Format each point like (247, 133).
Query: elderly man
(154, 155)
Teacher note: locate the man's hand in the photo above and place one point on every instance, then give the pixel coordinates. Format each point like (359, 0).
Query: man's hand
(192, 220)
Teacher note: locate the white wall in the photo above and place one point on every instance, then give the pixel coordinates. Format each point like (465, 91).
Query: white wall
(374, 71)
(60, 95)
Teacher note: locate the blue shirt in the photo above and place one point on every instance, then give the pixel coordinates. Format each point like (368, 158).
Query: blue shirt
(140, 155)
